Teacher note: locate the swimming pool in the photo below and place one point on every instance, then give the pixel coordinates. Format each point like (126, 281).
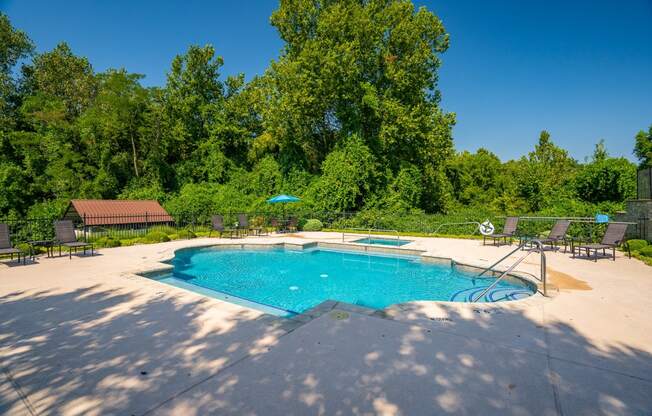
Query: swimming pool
(383, 241)
(283, 282)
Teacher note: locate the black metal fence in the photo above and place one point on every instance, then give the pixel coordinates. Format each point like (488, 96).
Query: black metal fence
(185, 224)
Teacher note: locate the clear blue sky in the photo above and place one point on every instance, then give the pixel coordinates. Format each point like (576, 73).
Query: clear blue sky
(580, 69)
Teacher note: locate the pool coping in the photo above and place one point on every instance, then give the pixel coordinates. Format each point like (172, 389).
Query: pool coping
(158, 265)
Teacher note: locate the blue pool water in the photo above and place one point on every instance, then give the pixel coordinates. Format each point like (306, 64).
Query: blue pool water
(382, 241)
(295, 281)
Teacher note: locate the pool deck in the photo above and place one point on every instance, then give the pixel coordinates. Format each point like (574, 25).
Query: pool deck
(87, 336)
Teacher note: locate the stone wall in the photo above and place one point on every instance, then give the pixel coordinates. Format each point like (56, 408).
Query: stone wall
(644, 184)
(640, 212)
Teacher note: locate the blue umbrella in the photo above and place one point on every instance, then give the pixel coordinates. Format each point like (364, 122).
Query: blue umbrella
(282, 199)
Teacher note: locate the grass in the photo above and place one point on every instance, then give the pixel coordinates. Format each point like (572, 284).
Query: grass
(645, 259)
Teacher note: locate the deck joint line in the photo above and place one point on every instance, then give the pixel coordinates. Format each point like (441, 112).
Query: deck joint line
(19, 391)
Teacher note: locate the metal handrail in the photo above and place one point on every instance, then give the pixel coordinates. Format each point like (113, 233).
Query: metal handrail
(544, 277)
(369, 230)
(520, 246)
(458, 223)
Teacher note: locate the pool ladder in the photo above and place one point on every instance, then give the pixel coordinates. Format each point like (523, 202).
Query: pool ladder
(543, 277)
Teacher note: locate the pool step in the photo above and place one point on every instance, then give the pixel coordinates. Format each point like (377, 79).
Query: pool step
(496, 294)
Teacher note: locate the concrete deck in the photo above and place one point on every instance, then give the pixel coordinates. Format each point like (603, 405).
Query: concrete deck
(87, 336)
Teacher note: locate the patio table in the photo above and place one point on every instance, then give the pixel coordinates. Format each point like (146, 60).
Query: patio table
(48, 244)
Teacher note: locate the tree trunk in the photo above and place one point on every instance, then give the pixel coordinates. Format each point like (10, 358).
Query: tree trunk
(133, 149)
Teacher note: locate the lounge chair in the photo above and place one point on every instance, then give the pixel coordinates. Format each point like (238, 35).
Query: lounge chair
(509, 231)
(613, 237)
(557, 234)
(276, 225)
(243, 225)
(217, 222)
(293, 224)
(65, 236)
(5, 244)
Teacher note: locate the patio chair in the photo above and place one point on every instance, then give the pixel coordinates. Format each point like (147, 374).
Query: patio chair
(243, 223)
(557, 234)
(509, 231)
(613, 237)
(217, 222)
(293, 224)
(276, 225)
(65, 236)
(5, 244)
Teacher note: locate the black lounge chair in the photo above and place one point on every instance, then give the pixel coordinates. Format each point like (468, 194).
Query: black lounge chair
(5, 244)
(557, 234)
(293, 224)
(276, 225)
(65, 236)
(613, 237)
(509, 231)
(217, 222)
(243, 225)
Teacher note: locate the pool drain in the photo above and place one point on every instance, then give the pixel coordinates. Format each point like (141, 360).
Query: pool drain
(294, 287)
(323, 275)
(338, 316)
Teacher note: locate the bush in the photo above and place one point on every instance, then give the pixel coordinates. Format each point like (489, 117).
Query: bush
(185, 234)
(636, 245)
(156, 237)
(165, 229)
(313, 225)
(24, 247)
(107, 242)
(112, 242)
(646, 251)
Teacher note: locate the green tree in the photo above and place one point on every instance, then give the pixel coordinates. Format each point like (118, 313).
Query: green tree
(606, 178)
(14, 45)
(110, 126)
(61, 75)
(349, 173)
(475, 177)
(546, 174)
(643, 148)
(363, 68)
(193, 88)
(15, 195)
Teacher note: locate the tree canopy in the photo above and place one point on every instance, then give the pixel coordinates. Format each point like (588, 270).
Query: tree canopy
(349, 117)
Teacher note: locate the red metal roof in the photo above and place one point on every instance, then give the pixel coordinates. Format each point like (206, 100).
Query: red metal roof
(109, 212)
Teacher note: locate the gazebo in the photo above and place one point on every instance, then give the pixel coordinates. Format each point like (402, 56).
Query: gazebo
(108, 212)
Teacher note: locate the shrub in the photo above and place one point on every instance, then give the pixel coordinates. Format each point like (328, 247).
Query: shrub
(313, 225)
(348, 174)
(112, 242)
(646, 251)
(24, 247)
(107, 242)
(156, 237)
(165, 229)
(185, 234)
(636, 245)
(128, 242)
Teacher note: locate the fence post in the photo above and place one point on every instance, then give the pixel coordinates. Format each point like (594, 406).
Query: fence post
(85, 236)
(146, 222)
